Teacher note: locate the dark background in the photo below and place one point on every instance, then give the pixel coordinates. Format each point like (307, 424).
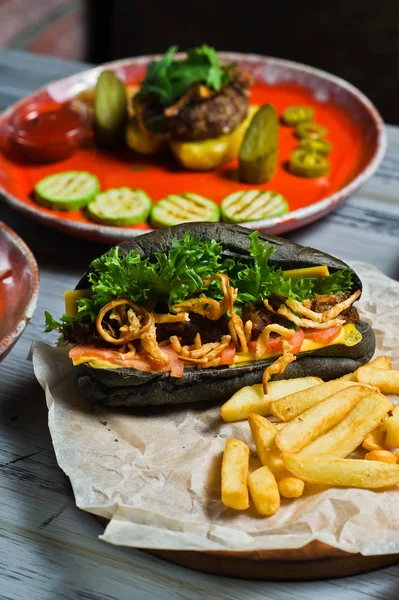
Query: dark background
(354, 39)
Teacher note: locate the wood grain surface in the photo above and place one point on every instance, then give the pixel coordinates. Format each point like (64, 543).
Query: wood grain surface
(49, 549)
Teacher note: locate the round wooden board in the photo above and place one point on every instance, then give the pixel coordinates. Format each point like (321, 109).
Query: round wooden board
(314, 561)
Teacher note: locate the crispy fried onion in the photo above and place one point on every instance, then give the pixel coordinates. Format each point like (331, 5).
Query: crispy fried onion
(236, 326)
(206, 355)
(279, 364)
(180, 318)
(261, 344)
(150, 345)
(204, 306)
(248, 330)
(284, 311)
(338, 308)
(131, 322)
(304, 309)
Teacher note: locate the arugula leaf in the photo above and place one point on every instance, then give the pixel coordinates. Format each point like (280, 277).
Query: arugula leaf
(168, 79)
(52, 324)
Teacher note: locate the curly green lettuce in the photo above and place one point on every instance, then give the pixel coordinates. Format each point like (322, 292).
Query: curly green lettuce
(168, 278)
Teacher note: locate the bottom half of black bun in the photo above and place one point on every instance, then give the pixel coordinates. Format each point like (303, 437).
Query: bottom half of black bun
(130, 388)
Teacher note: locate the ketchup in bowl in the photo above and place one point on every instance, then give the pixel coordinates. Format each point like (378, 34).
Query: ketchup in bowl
(50, 132)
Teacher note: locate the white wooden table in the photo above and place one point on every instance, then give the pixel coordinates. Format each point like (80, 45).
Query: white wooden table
(49, 550)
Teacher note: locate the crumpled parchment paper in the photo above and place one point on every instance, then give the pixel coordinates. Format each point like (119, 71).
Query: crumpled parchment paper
(156, 473)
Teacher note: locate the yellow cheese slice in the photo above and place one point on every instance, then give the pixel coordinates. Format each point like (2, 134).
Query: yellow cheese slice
(312, 272)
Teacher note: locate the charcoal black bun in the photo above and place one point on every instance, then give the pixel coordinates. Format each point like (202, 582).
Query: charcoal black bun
(129, 387)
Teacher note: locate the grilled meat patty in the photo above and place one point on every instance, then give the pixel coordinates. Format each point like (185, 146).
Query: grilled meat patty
(201, 119)
(197, 118)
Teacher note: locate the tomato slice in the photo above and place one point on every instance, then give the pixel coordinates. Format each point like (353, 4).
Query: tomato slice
(176, 365)
(228, 354)
(274, 344)
(252, 346)
(324, 336)
(296, 341)
(139, 361)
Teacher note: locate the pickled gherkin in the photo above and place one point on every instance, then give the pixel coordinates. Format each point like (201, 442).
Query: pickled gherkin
(293, 115)
(110, 111)
(258, 152)
(184, 208)
(308, 164)
(252, 205)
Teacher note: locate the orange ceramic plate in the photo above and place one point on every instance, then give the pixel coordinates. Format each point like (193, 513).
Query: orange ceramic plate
(354, 127)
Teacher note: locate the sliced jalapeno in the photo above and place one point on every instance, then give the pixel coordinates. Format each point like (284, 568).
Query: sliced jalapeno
(310, 130)
(294, 115)
(69, 190)
(252, 205)
(258, 151)
(184, 208)
(316, 145)
(308, 164)
(121, 206)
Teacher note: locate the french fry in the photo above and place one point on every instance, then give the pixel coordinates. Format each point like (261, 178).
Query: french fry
(345, 437)
(366, 474)
(319, 419)
(291, 406)
(274, 462)
(381, 362)
(387, 381)
(264, 491)
(234, 474)
(375, 440)
(390, 429)
(382, 456)
(251, 399)
(290, 487)
(263, 433)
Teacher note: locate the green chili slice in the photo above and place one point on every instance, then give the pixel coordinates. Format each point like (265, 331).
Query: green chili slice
(310, 130)
(308, 164)
(321, 146)
(294, 115)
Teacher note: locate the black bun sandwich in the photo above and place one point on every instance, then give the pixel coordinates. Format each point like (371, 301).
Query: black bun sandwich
(197, 311)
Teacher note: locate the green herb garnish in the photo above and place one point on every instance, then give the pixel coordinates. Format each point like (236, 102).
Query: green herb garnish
(168, 79)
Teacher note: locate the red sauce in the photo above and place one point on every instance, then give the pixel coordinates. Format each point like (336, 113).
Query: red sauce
(40, 128)
(160, 176)
(48, 133)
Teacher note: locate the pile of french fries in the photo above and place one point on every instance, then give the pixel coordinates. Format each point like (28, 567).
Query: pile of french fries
(314, 426)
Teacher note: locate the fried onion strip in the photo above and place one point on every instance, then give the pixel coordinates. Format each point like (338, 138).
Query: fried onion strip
(284, 311)
(201, 352)
(338, 308)
(150, 345)
(261, 344)
(230, 296)
(167, 318)
(303, 310)
(204, 306)
(248, 330)
(197, 341)
(279, 365)
(131, 334)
